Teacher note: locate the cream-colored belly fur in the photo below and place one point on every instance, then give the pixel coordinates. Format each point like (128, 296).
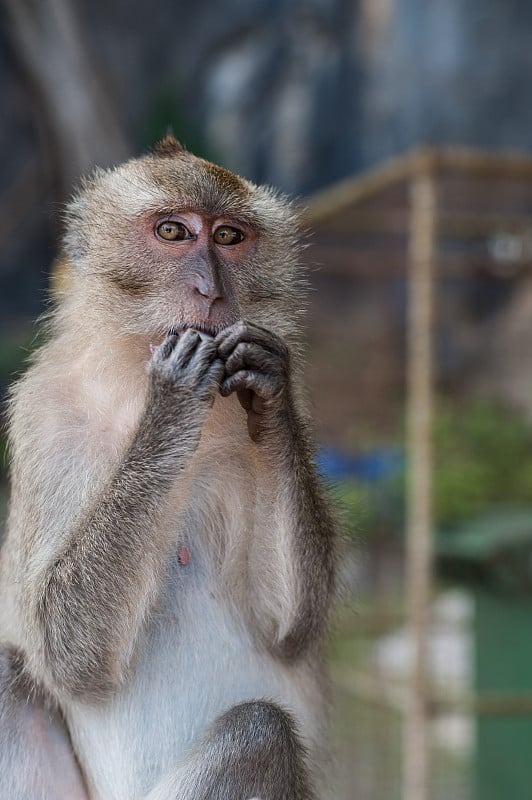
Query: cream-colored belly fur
(197, 661)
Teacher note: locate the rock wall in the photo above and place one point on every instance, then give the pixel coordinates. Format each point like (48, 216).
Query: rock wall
(298, 93)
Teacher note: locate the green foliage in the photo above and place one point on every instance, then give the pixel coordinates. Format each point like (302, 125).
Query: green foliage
(483, 458)
(483, 455)
(371, 509)
(355, 504)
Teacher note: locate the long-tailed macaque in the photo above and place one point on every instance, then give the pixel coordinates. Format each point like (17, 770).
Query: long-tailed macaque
(168, 563)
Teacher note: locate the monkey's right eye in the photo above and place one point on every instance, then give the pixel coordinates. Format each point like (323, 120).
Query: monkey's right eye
(173, 231)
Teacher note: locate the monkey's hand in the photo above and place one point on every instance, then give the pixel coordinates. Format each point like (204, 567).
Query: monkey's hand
(257, 367)
(185, 374)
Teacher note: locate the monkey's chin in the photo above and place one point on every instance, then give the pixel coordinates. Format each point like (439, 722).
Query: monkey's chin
(205, 331)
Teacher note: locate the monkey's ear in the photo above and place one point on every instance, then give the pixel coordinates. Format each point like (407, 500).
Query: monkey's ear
(168, 147)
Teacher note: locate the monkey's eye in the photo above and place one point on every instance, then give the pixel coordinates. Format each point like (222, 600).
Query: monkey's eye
(173, 231)
(225, 235)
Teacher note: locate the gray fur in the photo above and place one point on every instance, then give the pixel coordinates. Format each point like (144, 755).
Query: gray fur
(148, 671)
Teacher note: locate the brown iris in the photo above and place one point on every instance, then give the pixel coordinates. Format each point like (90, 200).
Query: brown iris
(173, 231)
(227, 235)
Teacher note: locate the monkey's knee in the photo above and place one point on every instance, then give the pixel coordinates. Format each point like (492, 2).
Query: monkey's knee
(259, 724)
(259, 753)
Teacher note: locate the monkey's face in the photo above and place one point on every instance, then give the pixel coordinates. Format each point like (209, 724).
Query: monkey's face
(188, 270)
(171, 241)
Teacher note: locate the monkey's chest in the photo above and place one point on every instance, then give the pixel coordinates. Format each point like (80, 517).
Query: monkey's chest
(190, 572)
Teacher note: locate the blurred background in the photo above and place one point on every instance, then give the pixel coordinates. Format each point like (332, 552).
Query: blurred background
(404, 129)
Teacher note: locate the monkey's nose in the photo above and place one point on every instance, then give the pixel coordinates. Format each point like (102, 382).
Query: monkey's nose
(206, 292)
(209, 289)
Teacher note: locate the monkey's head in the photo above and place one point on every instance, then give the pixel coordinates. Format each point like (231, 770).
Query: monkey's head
(169, 241)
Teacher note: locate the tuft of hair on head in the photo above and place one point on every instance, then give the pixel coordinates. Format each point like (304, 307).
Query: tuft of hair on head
(168, 147)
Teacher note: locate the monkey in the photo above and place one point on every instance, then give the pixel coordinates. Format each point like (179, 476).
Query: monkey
(169, 560)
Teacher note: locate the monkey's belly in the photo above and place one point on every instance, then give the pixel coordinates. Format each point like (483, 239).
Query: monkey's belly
(195, 665)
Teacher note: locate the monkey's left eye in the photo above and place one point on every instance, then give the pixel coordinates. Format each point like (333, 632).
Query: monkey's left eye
(173, 231)
(225, 235)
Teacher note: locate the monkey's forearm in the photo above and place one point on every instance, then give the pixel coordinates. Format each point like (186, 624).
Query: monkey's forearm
(98, 589)
(309, 527)
(292, 601)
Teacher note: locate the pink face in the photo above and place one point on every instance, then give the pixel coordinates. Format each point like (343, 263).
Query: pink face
(179, 243)
(206, 251)
(186, 266)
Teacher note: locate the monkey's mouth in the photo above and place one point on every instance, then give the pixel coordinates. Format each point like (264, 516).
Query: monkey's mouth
(209, 330)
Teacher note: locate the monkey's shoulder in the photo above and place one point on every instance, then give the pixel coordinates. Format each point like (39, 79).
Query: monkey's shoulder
(66, 409)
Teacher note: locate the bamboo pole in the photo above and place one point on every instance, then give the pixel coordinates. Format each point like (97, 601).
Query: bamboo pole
(391, 694)
(422, 258)
(328, 203)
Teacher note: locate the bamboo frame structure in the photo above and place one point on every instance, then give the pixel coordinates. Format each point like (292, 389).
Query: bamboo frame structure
(420, 171)
(328, 202)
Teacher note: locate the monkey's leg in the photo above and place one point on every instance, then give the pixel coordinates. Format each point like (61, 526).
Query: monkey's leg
(36, 758)
(251, 751)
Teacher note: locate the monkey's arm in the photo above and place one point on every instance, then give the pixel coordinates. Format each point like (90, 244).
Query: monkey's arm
(292, 553)
(88, 602)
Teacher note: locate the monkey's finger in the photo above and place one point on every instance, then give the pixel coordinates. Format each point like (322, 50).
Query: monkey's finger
(216, 372)
(245, 397)
(261, 384)
(163, 352)
(202, 357)
(185, 348)
(212, 379)
(234, 383)
(244, 331)
(249, 355)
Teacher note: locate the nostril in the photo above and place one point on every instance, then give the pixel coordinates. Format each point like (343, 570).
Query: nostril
(202, 290)
(200, 285)
(207, 289)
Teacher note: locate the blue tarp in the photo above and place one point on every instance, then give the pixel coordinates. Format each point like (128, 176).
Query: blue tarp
(372, 466)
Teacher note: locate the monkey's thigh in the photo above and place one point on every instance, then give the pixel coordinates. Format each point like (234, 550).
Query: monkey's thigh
(251, 751)
(36, 759)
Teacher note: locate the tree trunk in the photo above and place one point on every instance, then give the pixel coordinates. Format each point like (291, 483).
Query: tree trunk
(84, 126)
